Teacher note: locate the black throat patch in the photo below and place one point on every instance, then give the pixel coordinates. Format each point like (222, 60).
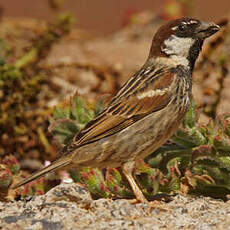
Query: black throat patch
(194, 52)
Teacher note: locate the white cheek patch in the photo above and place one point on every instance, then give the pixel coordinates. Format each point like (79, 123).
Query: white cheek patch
(178, 48)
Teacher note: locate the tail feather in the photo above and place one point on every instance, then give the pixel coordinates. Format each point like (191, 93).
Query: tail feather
(60, 163)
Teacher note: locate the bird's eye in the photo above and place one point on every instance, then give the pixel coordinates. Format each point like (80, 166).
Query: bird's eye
(182, 27)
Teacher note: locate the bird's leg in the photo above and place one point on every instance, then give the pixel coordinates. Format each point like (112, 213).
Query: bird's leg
(127, 169)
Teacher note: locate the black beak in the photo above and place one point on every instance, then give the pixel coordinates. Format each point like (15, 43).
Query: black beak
(206, 29)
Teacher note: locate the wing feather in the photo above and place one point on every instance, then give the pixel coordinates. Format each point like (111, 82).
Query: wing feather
(148, 96)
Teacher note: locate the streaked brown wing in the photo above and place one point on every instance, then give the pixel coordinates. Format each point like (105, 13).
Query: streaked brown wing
(145, 98)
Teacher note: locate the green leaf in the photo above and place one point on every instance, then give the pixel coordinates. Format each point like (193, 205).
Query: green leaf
(213, 190)
(222, 143)
(60, 113)
(116, 183)
(80, 112)
(94, 181)
(190, 117)
(64, 130)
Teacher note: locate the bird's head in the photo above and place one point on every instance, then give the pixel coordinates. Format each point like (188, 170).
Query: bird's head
(182, 40)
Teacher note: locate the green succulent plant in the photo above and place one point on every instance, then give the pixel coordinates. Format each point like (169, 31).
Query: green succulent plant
(21, 81)
(195, 160)
(20, 114)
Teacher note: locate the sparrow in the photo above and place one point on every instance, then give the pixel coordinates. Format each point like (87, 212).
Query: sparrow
(146, 111)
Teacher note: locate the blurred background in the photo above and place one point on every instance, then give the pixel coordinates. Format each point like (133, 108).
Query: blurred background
(61, 61)
(104, 17)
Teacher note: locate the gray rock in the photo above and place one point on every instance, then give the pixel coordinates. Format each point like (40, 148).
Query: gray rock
(70, 206)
